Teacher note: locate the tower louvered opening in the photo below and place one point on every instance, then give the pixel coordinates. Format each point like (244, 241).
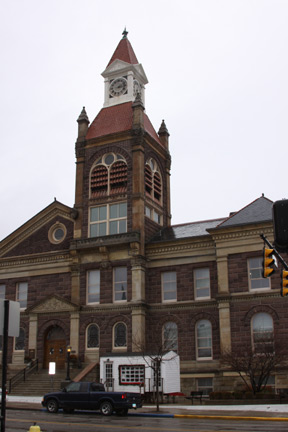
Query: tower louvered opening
(118, 178)
(99, 181)
(148, 180)
(157, 187)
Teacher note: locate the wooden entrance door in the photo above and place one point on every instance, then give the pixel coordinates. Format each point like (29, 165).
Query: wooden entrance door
(55, 348)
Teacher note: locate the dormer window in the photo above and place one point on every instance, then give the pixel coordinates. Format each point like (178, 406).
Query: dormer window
(108, 176)
(153, 181)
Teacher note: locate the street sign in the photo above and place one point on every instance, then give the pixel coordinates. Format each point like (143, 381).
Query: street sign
(14, 318)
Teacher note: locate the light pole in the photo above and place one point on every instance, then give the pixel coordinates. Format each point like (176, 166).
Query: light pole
(68, 363)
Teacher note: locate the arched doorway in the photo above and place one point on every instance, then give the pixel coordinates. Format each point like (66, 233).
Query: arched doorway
(55, 348)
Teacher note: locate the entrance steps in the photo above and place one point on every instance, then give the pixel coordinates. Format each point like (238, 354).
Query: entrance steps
(40, 382)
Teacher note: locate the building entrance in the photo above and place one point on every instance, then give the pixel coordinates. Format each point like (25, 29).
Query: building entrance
(55, 348)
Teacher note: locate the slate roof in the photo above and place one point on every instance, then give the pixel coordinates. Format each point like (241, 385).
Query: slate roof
(117, 118)
(124, 52)
(194, 229)
(258, 211)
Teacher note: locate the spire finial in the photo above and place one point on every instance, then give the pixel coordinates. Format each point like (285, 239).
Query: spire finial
(125, 33)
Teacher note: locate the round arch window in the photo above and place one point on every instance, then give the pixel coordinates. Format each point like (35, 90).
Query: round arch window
(57, 233)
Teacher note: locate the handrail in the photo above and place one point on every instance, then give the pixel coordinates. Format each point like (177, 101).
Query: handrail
(23, 374)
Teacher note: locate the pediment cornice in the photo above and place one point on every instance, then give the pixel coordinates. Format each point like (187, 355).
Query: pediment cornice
(55, 210)
(53, 304)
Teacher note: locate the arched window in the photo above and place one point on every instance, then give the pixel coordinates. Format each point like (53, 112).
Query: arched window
(108, 176)
(20, 340)
(92, 340)
(204, 339)
(120, 335)
(170, 336)
(153, 181)
(262, 332)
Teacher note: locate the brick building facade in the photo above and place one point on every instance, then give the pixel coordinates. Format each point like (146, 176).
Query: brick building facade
(112, 274)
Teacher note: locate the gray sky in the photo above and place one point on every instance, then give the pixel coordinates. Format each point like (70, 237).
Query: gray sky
(217, 72)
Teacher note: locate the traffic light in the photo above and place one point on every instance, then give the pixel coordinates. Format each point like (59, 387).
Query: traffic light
(284, 283)
(280, 221)
(268, 262)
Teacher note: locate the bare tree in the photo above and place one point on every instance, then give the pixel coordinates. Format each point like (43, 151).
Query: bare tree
(161, 343)
(255, 364)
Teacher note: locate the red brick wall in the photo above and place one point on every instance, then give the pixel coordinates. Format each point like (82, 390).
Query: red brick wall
(185, 281)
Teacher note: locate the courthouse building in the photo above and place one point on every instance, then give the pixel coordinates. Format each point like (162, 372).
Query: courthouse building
(111, 274)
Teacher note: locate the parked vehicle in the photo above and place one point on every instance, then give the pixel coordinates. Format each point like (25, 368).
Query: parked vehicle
(91, 396)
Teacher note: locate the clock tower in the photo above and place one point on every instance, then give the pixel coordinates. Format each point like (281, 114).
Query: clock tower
(122, 189)
(124, 76)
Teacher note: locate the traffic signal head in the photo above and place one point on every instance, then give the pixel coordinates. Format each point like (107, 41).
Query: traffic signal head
(268, 262)
(280, 221)
(284, 283)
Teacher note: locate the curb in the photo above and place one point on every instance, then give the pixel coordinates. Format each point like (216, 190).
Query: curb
(223, 417)
(30, 407)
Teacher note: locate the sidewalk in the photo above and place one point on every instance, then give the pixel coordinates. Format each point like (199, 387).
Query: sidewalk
(277, 412)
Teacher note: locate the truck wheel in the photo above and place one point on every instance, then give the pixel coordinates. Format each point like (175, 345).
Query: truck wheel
(52, 406)
(106, 408)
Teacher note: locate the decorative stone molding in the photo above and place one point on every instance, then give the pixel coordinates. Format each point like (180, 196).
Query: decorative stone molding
(35, 259)
(180, 248)
(53, 304)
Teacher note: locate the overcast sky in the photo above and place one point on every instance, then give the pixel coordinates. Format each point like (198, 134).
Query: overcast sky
(217, 72)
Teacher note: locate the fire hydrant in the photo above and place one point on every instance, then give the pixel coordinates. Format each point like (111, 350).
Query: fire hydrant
(34, 428)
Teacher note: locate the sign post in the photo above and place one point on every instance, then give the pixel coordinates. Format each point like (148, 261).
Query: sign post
(52, 371)
(9, 326)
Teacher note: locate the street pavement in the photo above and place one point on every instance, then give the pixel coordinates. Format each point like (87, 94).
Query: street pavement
(272, 412)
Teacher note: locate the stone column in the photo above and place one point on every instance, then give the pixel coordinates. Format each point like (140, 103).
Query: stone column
(224, 325)
(138, 329)
(32, 338)
(222, 270)
(74, 331)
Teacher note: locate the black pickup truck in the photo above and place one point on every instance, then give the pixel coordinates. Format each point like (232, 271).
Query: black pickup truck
(91, 396)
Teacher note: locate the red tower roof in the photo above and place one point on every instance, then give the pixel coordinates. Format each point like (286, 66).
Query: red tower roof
(117, 118)
(124, 52)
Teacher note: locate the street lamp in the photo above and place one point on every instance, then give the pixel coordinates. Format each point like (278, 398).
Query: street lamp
(68, 362)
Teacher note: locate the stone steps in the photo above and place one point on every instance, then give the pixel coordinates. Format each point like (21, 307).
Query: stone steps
(40, 382)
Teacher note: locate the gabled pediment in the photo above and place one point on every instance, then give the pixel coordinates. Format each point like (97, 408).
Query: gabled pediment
(20, 240)
(258, 211)
(121, 67)
(51, 304)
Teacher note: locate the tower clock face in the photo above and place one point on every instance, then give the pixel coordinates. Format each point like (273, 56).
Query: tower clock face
(118, 87)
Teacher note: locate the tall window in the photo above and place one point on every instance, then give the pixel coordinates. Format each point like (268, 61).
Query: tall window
(256, 281)
(93, 286)
(262, 332)
(202, 283)
(120, 284)
(120, 335)
(22, 294)
(92, 336)
(204, 339)
(108, 176)
(2, 291)
(20, 340)
(153, 181)
(108, 219)
(170, 336)
(109, 380)
(169, 286)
